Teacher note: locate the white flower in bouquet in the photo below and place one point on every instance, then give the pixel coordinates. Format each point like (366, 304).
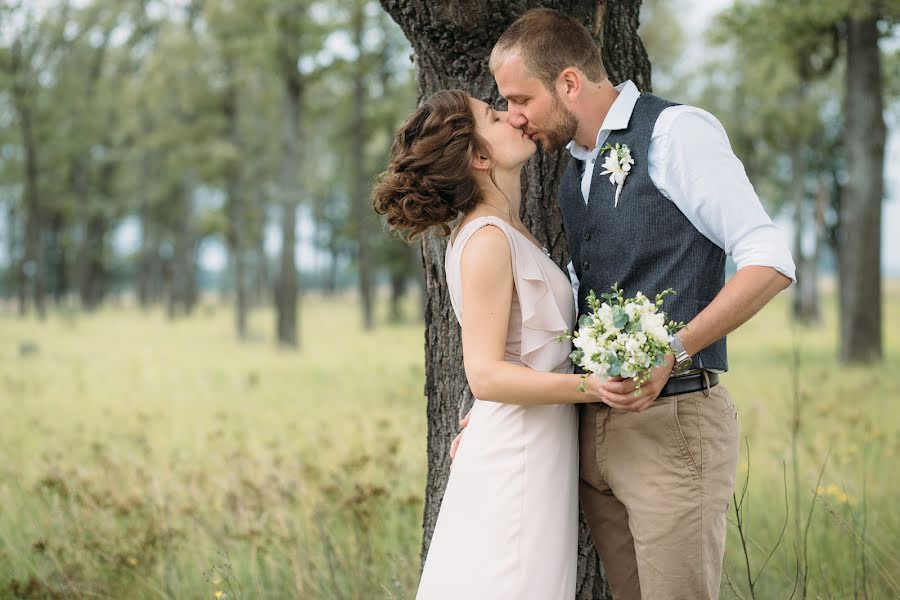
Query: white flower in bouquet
(622, 337)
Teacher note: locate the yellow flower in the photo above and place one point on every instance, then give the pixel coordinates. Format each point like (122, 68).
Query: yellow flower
(132, 561)
(219, 594)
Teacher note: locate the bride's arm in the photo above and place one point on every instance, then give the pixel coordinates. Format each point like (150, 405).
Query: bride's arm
(487, 289)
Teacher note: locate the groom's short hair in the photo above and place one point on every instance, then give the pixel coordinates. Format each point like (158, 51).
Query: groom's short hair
(548, 42)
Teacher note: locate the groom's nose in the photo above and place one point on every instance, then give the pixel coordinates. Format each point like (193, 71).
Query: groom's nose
(516, 119)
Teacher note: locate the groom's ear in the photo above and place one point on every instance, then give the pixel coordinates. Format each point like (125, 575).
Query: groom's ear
(569, 82)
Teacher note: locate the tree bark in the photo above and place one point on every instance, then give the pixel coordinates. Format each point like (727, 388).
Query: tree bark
(290, 25)
(184, 266)
(234, 209)
(30, 269)
(859, 243)
(452, 42)
(805, 304)
(361, 210)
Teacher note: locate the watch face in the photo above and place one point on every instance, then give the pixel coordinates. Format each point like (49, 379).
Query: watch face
(682, 366)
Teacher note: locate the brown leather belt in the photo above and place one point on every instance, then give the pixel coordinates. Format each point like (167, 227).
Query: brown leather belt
(689, 383)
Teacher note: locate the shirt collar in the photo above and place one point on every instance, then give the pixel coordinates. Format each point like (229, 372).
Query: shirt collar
(617, 118)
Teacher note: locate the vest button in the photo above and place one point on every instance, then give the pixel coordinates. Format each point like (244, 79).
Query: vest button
(587, 235)
(585, 265)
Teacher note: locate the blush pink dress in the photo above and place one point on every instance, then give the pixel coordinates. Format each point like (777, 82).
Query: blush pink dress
(508, 523)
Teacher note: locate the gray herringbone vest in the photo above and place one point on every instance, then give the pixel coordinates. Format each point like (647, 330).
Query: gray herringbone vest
(644, 244)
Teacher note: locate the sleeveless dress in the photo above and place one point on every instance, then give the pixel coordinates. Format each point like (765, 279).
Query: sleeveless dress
(508, 523)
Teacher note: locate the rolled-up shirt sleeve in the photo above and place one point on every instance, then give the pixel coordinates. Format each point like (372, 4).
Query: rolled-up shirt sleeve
(691, 162)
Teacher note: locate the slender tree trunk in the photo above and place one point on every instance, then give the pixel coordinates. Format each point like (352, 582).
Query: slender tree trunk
(13, 246)
(331, 280)
(804, 305)
(234, 210)
(440, 34)
(149, 258)
(290, 27)
(31, 276)
(183, 265)
(263, 279)
(57, 259)
(398, 291)
(286, 304)
(361, 209)
(859, 244)
(91, 270)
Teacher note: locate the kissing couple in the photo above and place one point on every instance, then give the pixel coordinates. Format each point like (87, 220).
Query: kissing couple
(653, 466)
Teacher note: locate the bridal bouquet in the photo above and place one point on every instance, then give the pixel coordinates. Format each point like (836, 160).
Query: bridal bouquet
(622, 337)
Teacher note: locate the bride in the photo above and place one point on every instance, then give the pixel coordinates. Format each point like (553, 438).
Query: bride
(507, 526)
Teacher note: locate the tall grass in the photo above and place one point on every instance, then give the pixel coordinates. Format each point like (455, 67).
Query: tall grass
(146, 459)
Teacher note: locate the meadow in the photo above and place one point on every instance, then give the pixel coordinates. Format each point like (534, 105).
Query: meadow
(142, 458)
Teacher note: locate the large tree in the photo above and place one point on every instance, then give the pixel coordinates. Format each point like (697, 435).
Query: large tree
(452, 42)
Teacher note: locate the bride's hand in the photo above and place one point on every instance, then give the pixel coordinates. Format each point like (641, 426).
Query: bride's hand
(593, 388)
(454, 445)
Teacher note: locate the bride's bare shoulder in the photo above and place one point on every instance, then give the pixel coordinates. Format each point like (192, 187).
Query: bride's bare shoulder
(487, 252)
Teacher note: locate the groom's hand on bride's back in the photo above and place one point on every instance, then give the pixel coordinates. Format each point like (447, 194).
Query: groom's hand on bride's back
(454, 445)
(620, 393)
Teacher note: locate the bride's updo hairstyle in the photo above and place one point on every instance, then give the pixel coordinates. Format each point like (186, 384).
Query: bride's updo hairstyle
(429, 178)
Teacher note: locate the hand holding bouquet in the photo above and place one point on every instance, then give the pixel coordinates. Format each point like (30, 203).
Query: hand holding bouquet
(622, 337)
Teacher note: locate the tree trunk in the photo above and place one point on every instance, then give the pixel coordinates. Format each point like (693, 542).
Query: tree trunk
(31, 278)
(183, 262)
(290, 30)
(57, 259)
(286, 303)
(234, 210)
(361, 209)
(148, 263)
(263, 278)
(441, 35)
(804, 305)
(331, 279)
(398, 291)
(91, 271)
(859, 244)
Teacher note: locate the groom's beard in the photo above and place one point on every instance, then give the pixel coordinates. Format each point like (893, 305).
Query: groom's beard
(563, 125)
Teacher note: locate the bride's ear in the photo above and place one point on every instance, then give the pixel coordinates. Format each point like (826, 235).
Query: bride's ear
(482, 162)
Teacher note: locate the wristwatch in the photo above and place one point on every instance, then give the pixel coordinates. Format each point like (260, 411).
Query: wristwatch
(683, 360)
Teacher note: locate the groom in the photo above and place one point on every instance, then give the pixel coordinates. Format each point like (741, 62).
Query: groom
(657, 468)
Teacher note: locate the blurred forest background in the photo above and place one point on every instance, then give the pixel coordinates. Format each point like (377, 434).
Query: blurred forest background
(211, 354)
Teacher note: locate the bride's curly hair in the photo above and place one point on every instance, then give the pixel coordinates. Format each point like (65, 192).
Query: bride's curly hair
(429, 178)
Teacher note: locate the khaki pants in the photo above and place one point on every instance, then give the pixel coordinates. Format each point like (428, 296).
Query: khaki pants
(655, 487)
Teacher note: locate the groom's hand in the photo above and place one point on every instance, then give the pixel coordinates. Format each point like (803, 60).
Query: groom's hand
(454, 445)
(620, 393)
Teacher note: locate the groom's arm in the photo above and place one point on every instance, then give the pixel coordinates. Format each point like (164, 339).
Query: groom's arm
(743, 296)
(692, 164)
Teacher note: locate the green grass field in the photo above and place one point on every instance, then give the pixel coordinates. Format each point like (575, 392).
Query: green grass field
(146, 459)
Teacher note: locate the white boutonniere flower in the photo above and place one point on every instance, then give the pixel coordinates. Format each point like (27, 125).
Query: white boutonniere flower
(617, 165)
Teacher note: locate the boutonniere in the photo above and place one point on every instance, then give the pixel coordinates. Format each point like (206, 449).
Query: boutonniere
(617, 165)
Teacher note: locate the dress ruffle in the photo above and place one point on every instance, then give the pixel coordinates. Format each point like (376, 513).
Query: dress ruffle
(543, 319)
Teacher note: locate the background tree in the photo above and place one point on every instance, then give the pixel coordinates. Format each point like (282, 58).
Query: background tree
(835, 153)
(452, 44)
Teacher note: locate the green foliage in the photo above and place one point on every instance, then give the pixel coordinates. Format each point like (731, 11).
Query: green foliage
(132, 104)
